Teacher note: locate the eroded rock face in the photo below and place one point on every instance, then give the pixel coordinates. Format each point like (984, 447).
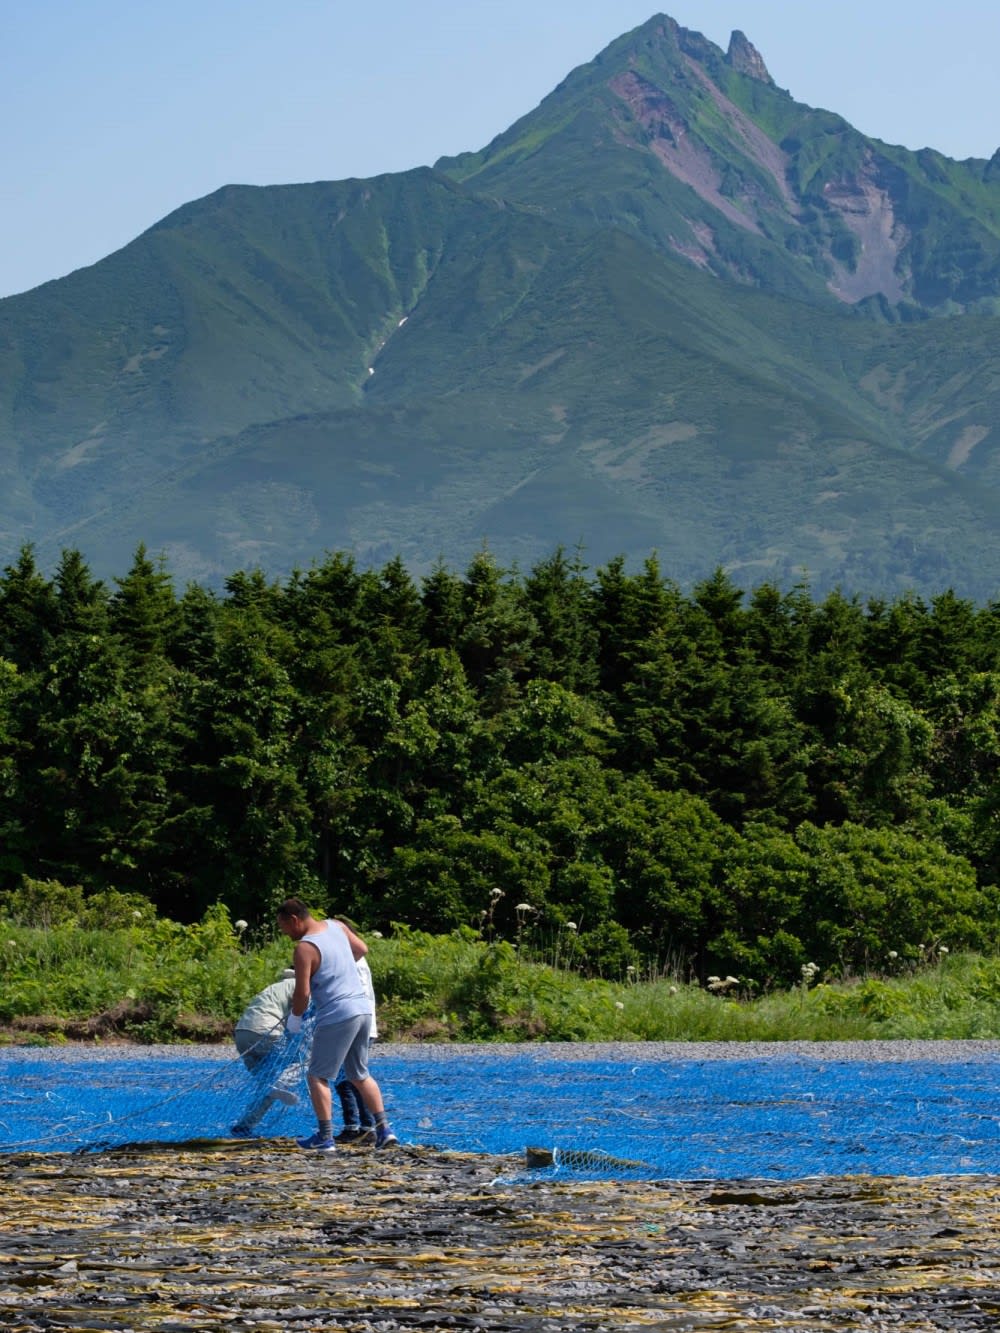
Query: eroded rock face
(746, 59)
(262, 1235)
(867, 209)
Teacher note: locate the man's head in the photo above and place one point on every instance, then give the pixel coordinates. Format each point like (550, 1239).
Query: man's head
(294, 918)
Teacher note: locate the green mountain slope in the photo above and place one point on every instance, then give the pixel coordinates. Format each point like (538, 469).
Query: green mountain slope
(670, 309)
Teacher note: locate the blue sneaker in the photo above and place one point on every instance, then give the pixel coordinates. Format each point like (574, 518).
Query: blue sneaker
(318, 1143)
(384, 1137)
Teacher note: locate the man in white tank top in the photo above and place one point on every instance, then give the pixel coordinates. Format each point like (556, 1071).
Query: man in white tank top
(324, 959)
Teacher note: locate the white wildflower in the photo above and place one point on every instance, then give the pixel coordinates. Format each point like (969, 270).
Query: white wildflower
(240, 925)
(619, 1005)
(571, 925)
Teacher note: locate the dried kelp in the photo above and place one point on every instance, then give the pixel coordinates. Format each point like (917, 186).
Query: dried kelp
(262, 1236)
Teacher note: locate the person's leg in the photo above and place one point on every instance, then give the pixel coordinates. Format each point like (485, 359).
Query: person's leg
(330, 1045)
(356, 1068)
(365, 1116)
(359, 1124)
(320, 1099)
(255, 1049)
(348, 1102)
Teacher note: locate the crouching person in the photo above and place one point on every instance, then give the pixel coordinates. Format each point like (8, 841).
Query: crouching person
(260, 1040)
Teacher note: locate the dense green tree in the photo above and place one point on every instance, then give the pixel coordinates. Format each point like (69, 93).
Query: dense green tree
(627, 611)
(495, 645)
(876, 890)
(442, 597)
(565, 643)
(446, 875)
(711, 780)
(12, 841)
(390, 608)
(324, 607)
(766, 928)
(247, 826)
(27, 613)
(666, 850)
(895, 642)
(144, 614)
(195, 639)
(777, 627)
(81, 605)
(92, 763)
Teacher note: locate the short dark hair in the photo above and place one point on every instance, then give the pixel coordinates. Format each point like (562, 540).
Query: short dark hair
(293, 907)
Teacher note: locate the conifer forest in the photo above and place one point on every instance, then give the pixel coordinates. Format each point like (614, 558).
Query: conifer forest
(713, 780)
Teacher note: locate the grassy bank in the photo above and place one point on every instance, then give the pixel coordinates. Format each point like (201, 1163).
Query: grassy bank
(156, 980)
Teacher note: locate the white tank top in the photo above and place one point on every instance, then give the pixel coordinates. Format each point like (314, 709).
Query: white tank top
(337, 993)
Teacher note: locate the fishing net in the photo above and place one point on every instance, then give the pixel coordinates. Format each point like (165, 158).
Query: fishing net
(53, 1104)
(777, 1117)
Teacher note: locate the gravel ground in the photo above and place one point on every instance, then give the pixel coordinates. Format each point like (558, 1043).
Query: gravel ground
(263, 1236)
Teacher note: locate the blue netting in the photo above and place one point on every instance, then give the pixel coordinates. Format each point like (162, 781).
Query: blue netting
(780, 1117)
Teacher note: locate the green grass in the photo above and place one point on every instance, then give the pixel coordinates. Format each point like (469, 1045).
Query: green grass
(155, 980)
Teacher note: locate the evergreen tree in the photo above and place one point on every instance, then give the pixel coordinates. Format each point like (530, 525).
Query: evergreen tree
(565, 645)
(144, 614)
(390, 608)
(495, 648)
(441, 598)
(27, 613)
(247, 829)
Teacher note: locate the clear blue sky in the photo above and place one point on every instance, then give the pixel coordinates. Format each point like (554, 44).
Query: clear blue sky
(115, 112)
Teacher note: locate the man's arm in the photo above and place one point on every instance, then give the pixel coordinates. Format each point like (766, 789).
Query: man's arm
(304, 960)
(358, 947)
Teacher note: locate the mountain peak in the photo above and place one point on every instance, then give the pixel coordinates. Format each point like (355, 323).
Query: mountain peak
(744, 57)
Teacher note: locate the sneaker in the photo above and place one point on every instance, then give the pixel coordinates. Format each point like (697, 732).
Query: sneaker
(284, 1095)
(385, 1138)
(317, 1143)
(356, 1137)
(241, 1132)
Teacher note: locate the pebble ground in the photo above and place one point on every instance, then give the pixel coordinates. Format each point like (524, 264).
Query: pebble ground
(263, 1236)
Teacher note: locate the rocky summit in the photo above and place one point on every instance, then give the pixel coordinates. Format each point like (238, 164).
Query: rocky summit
(670, 309)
